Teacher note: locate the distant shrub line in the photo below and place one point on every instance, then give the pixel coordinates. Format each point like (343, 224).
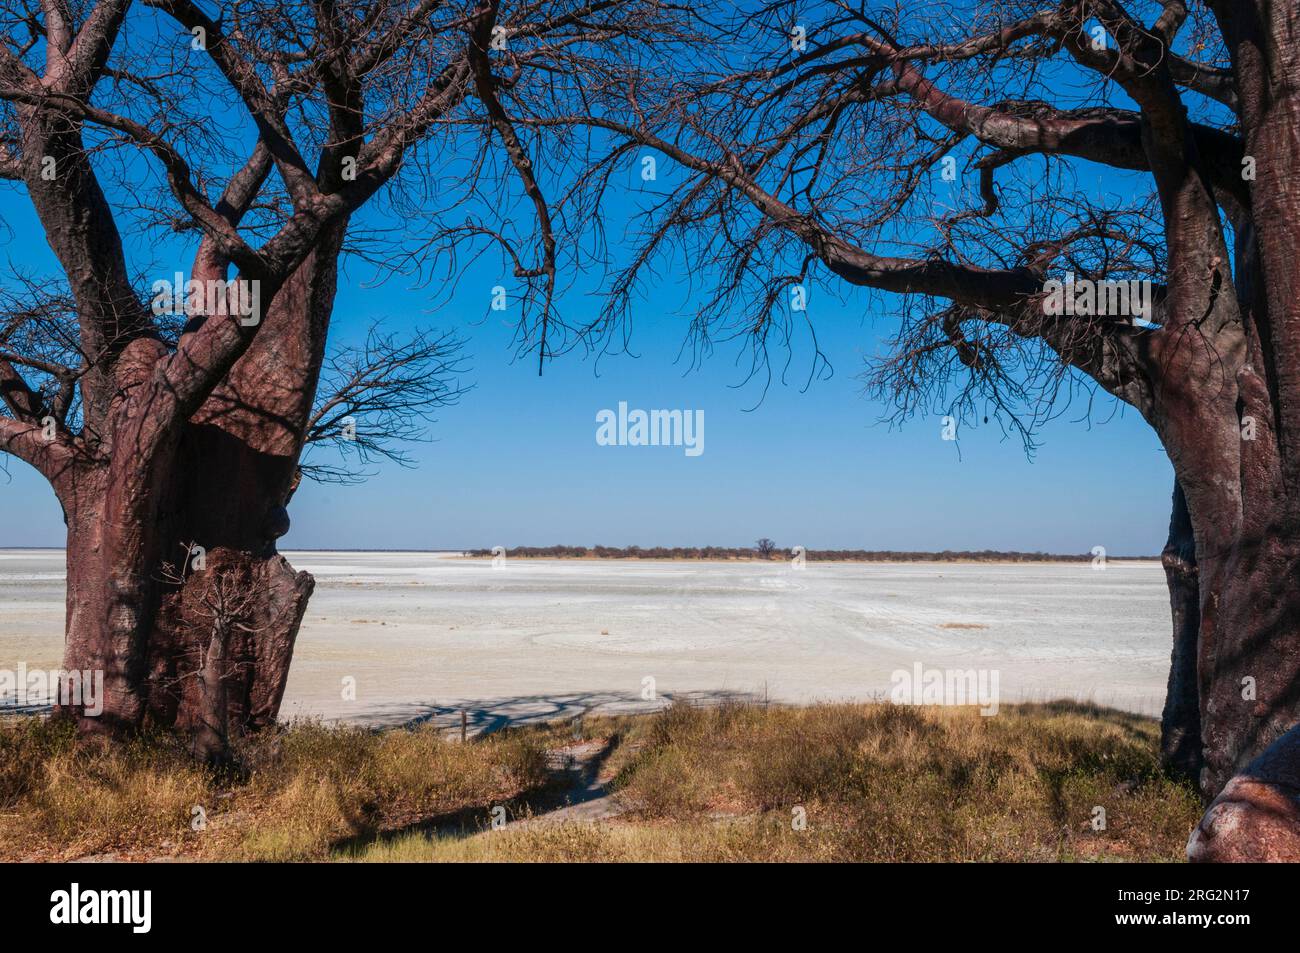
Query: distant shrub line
(745, 553)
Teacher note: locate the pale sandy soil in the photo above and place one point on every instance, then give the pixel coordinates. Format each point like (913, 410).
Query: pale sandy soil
(424, 635)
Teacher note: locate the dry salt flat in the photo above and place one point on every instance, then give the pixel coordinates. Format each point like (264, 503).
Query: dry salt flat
(422, 636)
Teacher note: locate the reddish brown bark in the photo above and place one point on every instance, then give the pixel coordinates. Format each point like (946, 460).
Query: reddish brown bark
(237, 471)
(223, 484)
(1250, 603)
(1180, 736)
(1216, 371)
(1256, 817)
(156, 443)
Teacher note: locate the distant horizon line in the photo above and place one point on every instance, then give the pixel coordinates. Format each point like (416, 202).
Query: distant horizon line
(1040, 554)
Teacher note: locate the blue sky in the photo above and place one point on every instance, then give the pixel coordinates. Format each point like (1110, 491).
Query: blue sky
(516, 462)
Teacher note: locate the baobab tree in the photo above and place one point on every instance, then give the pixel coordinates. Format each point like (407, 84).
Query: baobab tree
(996, 168)
(170, 421)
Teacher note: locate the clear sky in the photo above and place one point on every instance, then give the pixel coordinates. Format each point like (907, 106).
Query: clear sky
(516, 462)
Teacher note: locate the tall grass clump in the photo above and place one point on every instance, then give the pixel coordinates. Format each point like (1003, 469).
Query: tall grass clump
(294, 792)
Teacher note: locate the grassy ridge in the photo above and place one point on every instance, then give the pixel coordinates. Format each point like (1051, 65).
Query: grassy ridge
(873, 782)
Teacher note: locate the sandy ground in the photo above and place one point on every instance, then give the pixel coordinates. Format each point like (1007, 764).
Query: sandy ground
(424, 635)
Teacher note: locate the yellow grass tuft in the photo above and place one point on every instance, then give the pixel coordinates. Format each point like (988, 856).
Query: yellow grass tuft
(872, 782)
(303, 790)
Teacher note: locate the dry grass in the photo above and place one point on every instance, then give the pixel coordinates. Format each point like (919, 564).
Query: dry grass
(301, 791)
(875, 782)
(67, 798)
(750, 839)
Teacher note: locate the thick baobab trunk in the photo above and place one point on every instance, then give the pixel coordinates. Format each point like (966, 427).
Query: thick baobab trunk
(235, 513)
(105, 597)
(1249, 648)
(237, 470)
(236, 619)
(1232, 562)
(1249, 659)
(131, 616)
(231, 502)
(141, 606)
(1180, 736)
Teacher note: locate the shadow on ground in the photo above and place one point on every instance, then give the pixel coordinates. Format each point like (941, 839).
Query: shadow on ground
(485, 716)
